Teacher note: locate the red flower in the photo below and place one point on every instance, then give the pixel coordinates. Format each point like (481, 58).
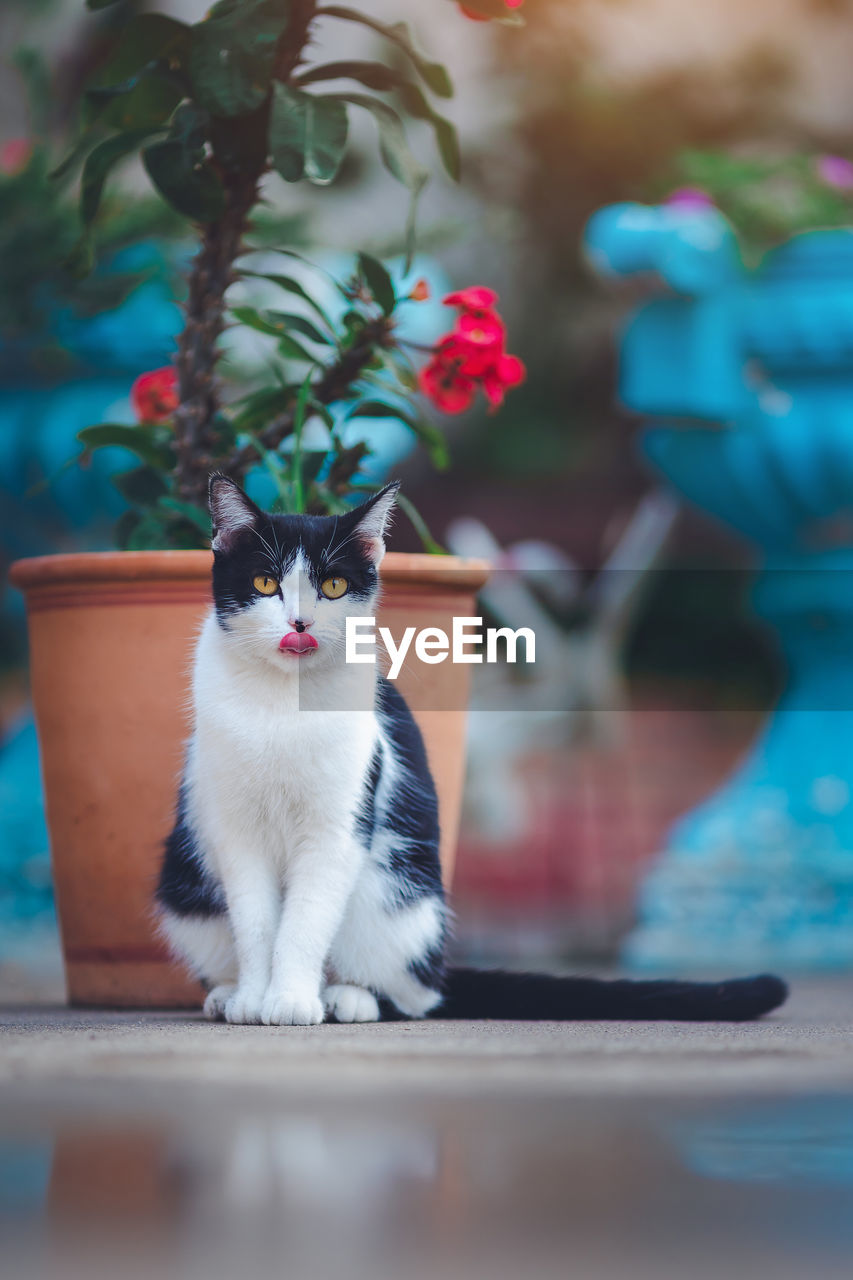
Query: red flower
(420, 291)
(15, 156)
(475, 343)
(476, 298)
(443, 384)
(154, 395)
(484, 17)
(508, 372)
(471, 355)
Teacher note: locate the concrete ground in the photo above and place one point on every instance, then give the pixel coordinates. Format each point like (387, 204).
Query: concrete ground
(159, 1144)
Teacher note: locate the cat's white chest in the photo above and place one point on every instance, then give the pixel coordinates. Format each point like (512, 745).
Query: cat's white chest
(265, 768)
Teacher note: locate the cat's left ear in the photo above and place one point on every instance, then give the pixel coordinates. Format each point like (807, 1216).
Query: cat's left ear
(231, 511)
(373, 518)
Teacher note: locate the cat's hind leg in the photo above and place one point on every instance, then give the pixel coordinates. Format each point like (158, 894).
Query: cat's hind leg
(390, 949)
(205, 946)
(348, 1003)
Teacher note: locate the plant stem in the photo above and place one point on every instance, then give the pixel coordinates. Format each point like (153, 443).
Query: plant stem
(198, 351)
(211, 274)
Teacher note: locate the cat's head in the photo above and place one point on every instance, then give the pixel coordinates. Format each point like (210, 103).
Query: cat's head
(284, 585)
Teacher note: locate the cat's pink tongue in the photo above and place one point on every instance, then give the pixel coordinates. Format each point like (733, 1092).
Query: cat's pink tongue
(297, 642)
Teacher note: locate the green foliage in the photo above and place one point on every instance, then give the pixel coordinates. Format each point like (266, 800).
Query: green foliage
(308, 135)
(180, 170)
(230, 95)
(212, 107)
(766, 200)
(232, 54)
(351, 368)
(433, 74)
(378, 281)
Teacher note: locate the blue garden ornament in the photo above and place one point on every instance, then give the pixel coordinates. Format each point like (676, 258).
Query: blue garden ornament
(748, 378)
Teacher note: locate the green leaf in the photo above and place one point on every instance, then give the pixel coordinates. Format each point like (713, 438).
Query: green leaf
(257, 408)
(232, 54)
(393, 142)
(137, 439)
(266, 322)
(373, 75)
(428, 434)
(100, 4)
(288, 131)
(98, 165)
(150, 100)
(141, 485)
(143, 39)
(432, 73)
(185, 181)
(301, 324)
(180, 170)
(257, 321)
(446, 138)
(139, 84)
(378, 281)
(294, 287)
(327, 128)
(315, 266)
(307, 135)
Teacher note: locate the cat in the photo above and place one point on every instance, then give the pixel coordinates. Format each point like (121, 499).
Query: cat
(301, 881)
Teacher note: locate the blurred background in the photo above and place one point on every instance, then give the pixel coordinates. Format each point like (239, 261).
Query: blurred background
(664, 672)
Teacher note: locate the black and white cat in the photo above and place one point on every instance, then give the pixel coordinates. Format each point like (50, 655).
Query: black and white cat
(301, 880)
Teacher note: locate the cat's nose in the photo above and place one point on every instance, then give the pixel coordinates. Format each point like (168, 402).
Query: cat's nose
(301, 624)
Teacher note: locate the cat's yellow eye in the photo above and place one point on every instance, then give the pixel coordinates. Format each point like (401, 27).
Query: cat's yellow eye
(334, 588)
(267, 586)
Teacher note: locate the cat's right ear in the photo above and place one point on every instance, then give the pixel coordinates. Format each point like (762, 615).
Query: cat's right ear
(231, 511)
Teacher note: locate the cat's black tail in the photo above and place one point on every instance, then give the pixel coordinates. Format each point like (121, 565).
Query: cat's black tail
(472, 993)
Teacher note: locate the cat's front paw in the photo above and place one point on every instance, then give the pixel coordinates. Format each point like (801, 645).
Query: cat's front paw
(217, 999)
(292, 1009)
(243, 1007)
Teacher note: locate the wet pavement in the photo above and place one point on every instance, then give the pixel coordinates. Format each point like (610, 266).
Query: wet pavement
(156, 1145)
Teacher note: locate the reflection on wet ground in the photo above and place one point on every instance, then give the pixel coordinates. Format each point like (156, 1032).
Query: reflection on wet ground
(119, 1180)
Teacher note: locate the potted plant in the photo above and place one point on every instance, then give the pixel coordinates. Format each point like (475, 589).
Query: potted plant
(213, 107)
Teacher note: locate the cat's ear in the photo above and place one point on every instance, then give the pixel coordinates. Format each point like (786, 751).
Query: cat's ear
(231, 511)
(373, 518)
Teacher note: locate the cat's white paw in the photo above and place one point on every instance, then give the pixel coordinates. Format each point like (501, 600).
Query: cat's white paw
(351, 1004)
(292, 1009)
(217, 998)
(243, 1007)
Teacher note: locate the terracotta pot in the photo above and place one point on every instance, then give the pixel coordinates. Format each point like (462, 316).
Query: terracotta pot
(111, 636)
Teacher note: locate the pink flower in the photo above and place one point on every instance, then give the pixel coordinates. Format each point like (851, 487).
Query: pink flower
(154, 395)
(835, 171)
(15, 156)
(690, 198)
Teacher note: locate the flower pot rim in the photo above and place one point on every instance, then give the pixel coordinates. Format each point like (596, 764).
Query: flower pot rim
(92, 567)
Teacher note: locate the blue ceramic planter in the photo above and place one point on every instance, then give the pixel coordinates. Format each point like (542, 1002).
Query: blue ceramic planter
(748, 378)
